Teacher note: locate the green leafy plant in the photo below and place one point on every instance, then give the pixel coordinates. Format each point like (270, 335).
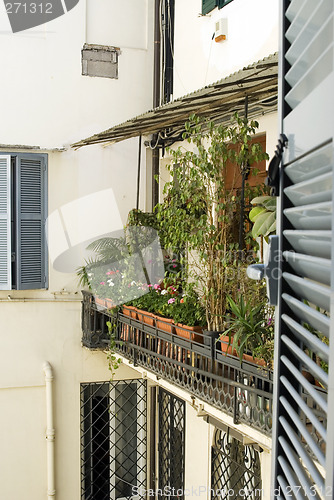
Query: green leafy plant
(250, 330)
(263, 216)
(113, 360)
(159, 298)
(199, 209)
(189, 311)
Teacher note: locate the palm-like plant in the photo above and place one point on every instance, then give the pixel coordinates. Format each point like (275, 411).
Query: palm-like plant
(248, 326)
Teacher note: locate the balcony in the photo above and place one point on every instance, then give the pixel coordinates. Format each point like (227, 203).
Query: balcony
(198, 366)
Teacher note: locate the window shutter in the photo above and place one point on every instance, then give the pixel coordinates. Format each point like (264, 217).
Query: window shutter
(222, 3)
(5, 224)
(31, 254)
(303, 436)
(208, 6)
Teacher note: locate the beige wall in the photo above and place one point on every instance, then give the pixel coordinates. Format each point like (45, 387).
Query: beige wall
(252, 34)
(32, 333)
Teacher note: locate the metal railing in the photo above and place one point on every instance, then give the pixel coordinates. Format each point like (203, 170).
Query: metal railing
(193, 362)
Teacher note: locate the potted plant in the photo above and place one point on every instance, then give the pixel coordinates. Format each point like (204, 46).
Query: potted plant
(251, 332)
(199, 211)
(189, 315)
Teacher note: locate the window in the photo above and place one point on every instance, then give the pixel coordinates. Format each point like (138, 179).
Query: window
(23, 210)
(235, 468)
(100, 60)
(171, 446)
(209, 5)
(113, 440)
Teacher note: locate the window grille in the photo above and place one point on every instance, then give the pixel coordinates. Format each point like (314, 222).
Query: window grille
(113, 440)
(235, 469)
(171, 445)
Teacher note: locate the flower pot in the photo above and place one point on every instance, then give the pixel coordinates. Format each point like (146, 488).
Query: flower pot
(146, 317)
(256, 361)
(226, 346)
(130, 311)
(165, 324)
(103, 303)
(189, 332)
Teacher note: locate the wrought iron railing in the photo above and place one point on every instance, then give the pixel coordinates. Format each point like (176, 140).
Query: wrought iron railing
(196, 364)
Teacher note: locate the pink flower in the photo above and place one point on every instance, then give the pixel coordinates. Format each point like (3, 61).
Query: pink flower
(102, 283)
(171, 301)
(150, 286)
(174, 265)
(156, 287)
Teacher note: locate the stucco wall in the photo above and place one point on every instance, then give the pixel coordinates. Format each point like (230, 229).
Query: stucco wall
(48, 102)
(31, 334)
(252, 34)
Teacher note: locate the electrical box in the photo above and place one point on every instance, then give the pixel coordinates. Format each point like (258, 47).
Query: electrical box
(221, 30)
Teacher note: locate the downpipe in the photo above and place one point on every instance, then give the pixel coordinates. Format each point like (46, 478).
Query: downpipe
(50, 432)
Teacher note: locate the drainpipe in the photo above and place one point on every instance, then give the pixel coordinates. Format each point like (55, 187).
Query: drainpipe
(156, 100)
(50, 431)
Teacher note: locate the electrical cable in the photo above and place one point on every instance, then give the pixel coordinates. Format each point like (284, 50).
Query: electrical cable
(207, 66)
(172, 49)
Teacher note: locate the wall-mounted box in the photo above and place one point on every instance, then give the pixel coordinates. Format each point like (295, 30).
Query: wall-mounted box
(100, 60)
(221, 30)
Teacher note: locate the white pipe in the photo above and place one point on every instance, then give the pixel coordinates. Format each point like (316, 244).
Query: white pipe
(50, 431)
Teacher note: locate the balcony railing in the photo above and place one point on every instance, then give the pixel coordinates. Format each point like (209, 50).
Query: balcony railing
(196, 364)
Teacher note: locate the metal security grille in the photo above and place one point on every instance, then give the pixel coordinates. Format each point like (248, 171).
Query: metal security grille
(235, 469)
(171, 445)
(113, 440)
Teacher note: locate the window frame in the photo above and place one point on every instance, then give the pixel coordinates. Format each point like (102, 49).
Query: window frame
(13, 238)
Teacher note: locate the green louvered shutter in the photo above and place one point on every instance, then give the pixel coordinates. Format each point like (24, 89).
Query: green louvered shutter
(31, 194)
(5, 224)
(303, 431)
(222, 3)
(208, 6)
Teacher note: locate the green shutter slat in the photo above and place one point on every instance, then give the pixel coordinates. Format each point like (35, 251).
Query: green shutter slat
(5, 224)
(222, 3)
(208, 6)
(31, 216)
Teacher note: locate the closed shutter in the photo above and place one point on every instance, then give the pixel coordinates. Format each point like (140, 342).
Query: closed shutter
(208, 6)
(302, 432)
(31, 216)
(222, 3)
(5, 224)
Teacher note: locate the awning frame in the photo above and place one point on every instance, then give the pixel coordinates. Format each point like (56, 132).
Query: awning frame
(218, 101)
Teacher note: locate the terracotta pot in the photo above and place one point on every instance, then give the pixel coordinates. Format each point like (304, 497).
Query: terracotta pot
(165, 324)
(130, 311)
(146, 317)
(225, 347)
(256, 361)
(104, 303)
(189, 332)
